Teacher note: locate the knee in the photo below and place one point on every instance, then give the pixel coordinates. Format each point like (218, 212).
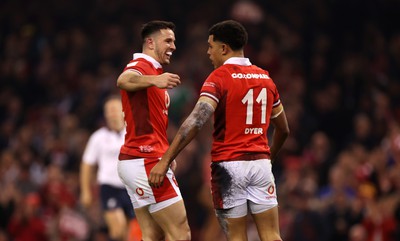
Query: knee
(117, 229)
(180, 232)
(151, 236)
(186, 230)
(117, 232)
(187, 234)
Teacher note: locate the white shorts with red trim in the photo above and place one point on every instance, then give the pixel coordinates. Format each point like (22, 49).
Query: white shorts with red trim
(134, 174)
(235, 182)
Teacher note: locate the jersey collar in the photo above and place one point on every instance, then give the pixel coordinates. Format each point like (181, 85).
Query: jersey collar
(238, 61)
(154, 62)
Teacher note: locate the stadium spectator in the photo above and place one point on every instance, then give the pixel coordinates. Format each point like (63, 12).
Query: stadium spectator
(102, 152)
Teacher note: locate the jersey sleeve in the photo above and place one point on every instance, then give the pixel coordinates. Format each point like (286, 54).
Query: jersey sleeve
(139, 67)
(277, 100)
(90, 154)
(274, 90)
(276, 106)
(212, 87)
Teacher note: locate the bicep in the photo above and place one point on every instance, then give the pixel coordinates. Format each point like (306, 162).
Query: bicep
(208, 100)
(279, 120)
(203, 110)
(126, 77)
(276, 111)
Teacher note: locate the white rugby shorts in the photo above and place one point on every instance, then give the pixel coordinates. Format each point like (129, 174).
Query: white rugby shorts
(134, 174)
(235, 182)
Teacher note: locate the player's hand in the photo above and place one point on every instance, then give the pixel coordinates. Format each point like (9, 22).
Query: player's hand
(157, 174)
(86, 199)
(167, 81)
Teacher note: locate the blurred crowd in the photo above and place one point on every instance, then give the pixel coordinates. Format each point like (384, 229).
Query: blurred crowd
(336, 64)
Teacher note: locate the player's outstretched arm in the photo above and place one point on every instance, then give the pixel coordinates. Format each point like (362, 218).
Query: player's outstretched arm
(133, 81)
(203, 110)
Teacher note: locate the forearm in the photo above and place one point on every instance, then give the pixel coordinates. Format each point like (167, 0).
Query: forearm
(278, 138)
(281, 131)
(189, 129)
(184, 136)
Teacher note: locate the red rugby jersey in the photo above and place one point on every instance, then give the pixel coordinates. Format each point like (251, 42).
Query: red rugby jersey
(145, 113)
(246, 96)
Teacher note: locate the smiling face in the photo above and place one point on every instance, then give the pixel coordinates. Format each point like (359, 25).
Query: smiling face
(162, 44)
(215, 52)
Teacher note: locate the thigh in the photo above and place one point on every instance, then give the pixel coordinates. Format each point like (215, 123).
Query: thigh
(116, 219)
(173, 220)
(150, 229)
(267, 223)
(233, 222)
(235, 229)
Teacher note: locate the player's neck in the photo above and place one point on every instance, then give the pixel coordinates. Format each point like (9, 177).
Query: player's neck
(232, 54)
(150, 53)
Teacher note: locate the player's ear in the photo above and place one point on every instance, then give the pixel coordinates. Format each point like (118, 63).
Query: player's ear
(224, 49)
(150, 43)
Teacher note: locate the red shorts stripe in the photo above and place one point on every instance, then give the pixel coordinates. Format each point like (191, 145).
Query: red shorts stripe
(166, 191)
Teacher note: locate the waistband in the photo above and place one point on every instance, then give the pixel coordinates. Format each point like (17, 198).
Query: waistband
(247, 157)
(124, 157)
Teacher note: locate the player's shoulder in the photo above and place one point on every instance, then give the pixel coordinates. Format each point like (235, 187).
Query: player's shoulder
(139, 63)
(100, 133)
(263, 73)
(258, 69)
(221, 71)
(228, 68)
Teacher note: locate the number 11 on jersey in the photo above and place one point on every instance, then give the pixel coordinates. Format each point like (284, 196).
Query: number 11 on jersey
(261, 99)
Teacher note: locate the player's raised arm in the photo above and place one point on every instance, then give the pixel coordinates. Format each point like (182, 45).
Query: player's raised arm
(133, 81)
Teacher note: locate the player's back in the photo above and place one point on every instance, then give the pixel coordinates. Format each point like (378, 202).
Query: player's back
(247, 95)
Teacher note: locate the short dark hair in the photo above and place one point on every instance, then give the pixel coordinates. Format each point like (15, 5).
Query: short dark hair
(154, 26)
(231, 33)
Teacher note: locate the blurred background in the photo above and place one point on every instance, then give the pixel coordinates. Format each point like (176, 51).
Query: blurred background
(336, 64)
